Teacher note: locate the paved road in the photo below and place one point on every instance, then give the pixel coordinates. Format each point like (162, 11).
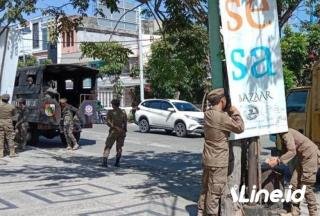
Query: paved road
(159, 175)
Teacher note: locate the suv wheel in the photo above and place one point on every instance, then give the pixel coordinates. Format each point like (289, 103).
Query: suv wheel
(181, 130)
(144, 125)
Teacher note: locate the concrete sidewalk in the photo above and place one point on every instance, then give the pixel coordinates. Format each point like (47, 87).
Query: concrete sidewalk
(59, 182)
(41, 182)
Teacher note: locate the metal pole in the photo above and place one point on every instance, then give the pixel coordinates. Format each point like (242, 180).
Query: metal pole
(141, 58)
(252, 165)
(215, 44)
(4, 57)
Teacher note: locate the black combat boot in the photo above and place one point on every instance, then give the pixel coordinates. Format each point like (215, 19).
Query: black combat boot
(117, 164)
(104, 162)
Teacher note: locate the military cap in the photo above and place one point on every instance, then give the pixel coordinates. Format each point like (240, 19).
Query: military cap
(216, 92)
(63, 100)
(5, 97)
(21, 100)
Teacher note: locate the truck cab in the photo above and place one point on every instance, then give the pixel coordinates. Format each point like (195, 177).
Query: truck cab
(43, 86)
(303, 107)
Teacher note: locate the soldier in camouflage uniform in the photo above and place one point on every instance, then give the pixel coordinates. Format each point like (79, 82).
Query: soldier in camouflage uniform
(117, 122)
(67, 123)
(22, 124)
(7, 111)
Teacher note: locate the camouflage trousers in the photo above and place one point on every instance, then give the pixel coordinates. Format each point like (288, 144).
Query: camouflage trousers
(6, 135)
(22, 135)
(305, 173)
(111, 139)
(68, 133)
(214, 180)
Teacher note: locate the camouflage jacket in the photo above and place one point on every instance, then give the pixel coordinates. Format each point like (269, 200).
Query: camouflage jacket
(22, 116)
(67, 115)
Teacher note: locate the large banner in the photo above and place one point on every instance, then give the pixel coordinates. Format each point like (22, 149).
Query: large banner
(252, 48)
(8, 61)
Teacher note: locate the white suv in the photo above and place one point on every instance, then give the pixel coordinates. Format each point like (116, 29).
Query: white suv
(171, 115)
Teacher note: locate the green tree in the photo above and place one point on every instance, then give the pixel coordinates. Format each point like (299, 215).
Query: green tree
(27, 61)
(14, 11)
(115, 58)
(178, 65)
(11, 11)
(300, 50)
(294, 47)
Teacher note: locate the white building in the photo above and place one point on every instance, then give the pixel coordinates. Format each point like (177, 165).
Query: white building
(34, 40)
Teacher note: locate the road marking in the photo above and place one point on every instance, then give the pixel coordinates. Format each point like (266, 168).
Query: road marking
(160, 145)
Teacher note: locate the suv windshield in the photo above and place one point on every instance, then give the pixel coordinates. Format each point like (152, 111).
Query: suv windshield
(184, 106)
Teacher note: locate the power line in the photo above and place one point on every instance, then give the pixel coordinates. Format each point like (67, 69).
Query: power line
(78, 42)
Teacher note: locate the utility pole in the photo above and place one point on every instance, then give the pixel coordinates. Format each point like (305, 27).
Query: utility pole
(141, 58)
(215, 44)
(217, 81)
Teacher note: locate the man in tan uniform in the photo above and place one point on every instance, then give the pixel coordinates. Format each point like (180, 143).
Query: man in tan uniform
(7, 111)
(117, 122)
(217, 127)
(306, 169)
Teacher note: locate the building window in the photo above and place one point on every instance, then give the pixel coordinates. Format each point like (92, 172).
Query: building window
(44, 38)
(71, 37)
(35, 35)
(67, 39)
(63, 39)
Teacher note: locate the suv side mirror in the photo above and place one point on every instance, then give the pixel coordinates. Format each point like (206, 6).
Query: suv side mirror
(171, 109)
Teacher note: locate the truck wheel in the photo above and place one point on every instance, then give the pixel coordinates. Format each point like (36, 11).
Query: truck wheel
(33, 137)
(63, 139)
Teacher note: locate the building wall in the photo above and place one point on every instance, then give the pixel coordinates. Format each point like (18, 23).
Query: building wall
(69, 42)
(129, 21)
(34, 38)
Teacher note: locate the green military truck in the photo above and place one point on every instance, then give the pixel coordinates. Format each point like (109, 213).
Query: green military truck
(43, 86)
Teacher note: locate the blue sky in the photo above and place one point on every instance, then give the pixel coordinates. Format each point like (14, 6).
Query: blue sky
(300, 13)
(68, 9)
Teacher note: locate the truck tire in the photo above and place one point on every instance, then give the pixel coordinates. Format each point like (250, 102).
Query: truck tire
(63, 140)
(33, 137)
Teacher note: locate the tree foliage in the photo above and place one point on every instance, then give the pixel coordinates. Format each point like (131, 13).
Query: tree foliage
(11, 11)
(115, 58)
(300, 50)
(113, 54)
(27, 61)
(178, 64)
(14, 11)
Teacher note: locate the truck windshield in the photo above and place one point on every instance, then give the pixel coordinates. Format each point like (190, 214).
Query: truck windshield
(296, 101)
